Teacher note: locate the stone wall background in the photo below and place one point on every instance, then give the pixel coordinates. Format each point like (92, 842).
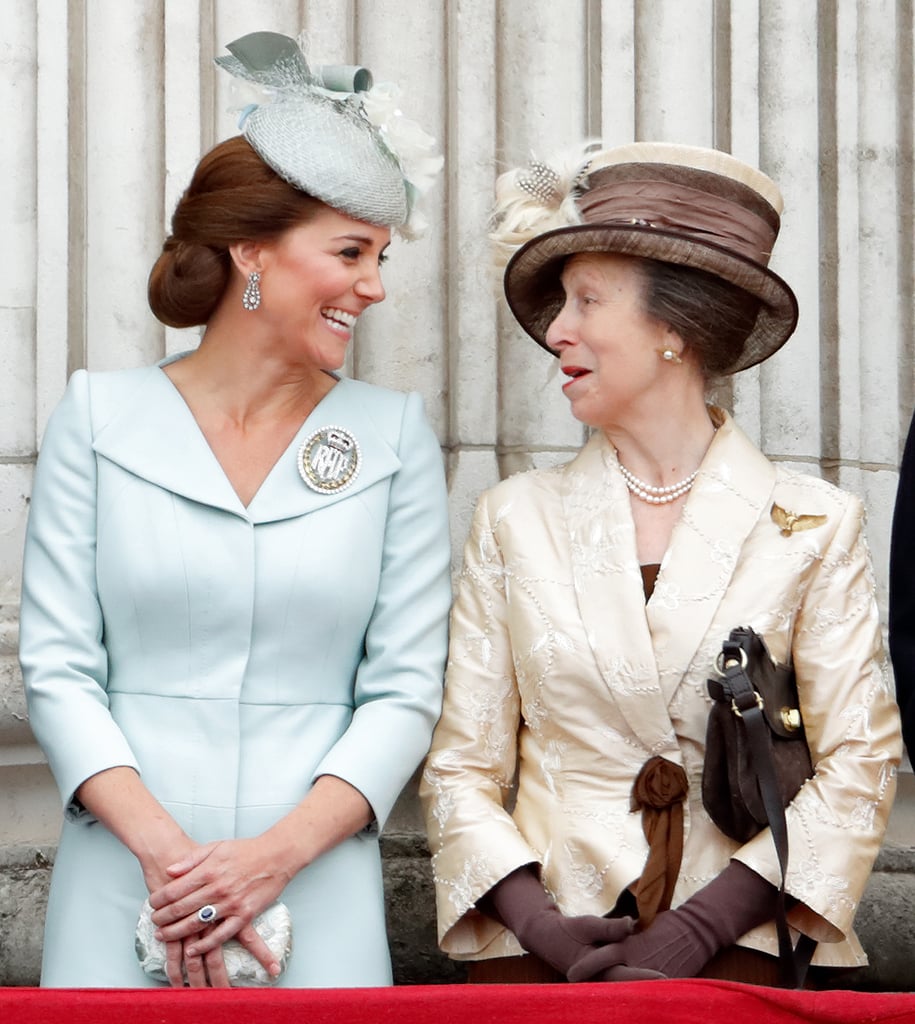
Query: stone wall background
(109, 103)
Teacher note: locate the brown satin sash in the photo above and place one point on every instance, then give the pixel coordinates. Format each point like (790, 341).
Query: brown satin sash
(658, 792)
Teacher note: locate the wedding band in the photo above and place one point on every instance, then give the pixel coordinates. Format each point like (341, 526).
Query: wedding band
(206, 914)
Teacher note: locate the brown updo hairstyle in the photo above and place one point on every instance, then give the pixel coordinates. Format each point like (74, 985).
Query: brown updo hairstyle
(712, 316)
(233, 197)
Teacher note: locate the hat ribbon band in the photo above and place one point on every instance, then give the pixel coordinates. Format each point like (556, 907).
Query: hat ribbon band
(679, 208)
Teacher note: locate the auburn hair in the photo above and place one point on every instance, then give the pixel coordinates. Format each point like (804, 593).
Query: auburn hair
(233, 197)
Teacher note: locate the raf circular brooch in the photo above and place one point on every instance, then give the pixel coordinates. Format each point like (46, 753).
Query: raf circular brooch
(329, 460)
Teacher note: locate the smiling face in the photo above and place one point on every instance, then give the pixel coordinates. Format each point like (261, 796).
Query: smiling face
(316, 279)
(609, 348)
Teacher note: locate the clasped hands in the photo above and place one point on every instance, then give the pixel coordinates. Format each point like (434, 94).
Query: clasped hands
(585, 948)
(229, 877)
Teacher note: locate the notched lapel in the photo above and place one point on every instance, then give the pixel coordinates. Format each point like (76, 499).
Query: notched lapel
(730, 494)
(608, 587)
(154, 436)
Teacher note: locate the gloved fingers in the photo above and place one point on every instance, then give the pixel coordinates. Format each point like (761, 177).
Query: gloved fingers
(595, 961)
(591, 931)
(621, 972)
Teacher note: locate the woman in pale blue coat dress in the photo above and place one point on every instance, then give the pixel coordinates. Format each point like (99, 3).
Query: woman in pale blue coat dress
(236, 575)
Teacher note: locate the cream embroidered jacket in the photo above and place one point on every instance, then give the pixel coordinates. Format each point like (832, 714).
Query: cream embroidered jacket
(559, 671)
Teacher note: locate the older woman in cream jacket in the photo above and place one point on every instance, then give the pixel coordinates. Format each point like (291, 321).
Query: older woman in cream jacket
(595, 596)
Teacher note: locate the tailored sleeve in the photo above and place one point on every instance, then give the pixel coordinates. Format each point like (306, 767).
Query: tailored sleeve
(398, 686)
(471, 767)
(902, 592)
(837, 819)
(61, 649)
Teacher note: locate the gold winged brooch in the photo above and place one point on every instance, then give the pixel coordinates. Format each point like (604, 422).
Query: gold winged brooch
(791, 523)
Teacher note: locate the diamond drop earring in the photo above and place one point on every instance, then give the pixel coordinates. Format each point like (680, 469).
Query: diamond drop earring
(251, 298)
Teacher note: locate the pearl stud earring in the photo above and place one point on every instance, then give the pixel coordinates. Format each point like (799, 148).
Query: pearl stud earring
(669, 356)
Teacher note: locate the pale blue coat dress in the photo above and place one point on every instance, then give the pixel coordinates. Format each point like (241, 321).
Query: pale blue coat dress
(231, 655)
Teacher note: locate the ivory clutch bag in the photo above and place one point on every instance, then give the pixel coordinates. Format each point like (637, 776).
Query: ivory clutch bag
(274, 926)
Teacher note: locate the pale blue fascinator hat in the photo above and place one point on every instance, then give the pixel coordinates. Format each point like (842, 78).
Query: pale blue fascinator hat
(332, 133)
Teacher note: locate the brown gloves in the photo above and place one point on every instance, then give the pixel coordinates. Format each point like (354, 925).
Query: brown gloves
(521, 903)
(680, 942)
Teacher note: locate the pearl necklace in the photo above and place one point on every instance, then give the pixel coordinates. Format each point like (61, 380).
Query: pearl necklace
(657, 495)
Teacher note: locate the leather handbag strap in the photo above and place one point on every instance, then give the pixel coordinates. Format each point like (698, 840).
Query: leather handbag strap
(747, 704)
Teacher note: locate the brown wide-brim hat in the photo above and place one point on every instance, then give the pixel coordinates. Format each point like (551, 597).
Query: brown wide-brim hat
(680, 204)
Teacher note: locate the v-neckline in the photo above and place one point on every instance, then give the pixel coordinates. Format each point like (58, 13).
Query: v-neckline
(293, 443)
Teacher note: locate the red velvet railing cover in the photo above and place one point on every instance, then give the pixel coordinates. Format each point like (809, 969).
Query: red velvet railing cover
(666, 1002)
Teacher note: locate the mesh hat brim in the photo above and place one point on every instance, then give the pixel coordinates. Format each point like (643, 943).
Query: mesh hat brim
(331, 153)
(535, 295)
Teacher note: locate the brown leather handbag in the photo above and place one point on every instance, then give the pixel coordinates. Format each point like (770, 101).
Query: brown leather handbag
(756, 759)
(754, 724)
